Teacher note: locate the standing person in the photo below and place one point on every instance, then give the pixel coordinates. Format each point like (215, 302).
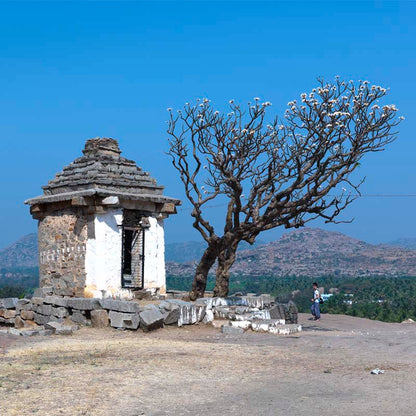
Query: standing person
(315, 302)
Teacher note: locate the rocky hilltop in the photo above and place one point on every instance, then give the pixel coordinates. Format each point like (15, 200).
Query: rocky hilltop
(303, 252)
(315, 252)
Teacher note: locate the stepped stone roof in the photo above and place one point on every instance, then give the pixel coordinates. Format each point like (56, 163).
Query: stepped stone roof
(102, 171)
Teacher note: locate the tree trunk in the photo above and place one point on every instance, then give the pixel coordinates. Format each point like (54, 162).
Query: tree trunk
(226, 259)
(201, 273)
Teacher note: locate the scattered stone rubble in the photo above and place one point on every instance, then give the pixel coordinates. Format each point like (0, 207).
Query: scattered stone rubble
(47, 315)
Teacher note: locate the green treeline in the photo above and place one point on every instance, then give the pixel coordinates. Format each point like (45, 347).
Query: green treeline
(390, 299)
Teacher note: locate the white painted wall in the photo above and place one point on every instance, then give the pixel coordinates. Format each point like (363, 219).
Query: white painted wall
(154, 256)
(103, 254)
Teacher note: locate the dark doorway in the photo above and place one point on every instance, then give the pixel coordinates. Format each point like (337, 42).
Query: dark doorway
(132, 258)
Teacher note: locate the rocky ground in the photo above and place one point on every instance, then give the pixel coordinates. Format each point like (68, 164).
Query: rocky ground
(196, 370)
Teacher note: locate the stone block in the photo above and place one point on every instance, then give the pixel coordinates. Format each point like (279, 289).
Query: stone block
(79, 317)
(241, 324)
(8, 303)
(287, 311)
(45, 309)
(19, 322)
(23, 304)
(209, 317)
(285, 329)
(84, 304)
(119, 305)
(56, 301)
(43, 319)
(29, 332)
(99, 318)
(171, 317)
(59, 311)
(124, 320)
(37, 301)
(7, 313)
(151, 319)
(60, 329)
(225, 329)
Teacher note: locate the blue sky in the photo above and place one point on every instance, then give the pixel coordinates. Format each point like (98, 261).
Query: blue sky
(70, 71)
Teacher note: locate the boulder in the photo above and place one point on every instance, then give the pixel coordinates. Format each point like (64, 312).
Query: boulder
(285, 329)
(119, 305)
(124, 320)
(99, 318)
(151, 319)
(287, 311)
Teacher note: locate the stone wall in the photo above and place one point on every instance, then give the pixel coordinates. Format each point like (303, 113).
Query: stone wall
(62, 238)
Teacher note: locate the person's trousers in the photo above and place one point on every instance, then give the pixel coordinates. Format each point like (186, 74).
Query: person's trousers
(315, 310)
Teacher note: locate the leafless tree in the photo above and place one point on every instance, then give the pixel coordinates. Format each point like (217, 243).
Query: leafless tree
(276, 174)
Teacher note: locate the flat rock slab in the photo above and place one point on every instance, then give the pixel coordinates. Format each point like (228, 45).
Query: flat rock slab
(84, 304)
(119, 305)
(56, 301)
(8, 303)
(225, 329)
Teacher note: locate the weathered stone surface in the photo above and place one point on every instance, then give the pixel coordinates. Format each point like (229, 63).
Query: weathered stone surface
(119, 305)
(151, 319)
(9, 321)
(84, 304)
(45, 332)
(285, 329)
(124, 320)
(287, 311)
(8, 303)
(225, 329)
(60, 329)
(43, 291)
(37, 301)
(43, 319)
(79, 317)
(56, 301)
(19, 322)
(59, 311)
(99, 318)
(241, 324)
(209, 317)
(267, 324)
(172, 316)
(23, 304)
(45, 309)
(29, 332)
(7, 313)
(14, 331)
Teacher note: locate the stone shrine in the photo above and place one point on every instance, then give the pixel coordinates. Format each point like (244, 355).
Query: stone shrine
(100, 230)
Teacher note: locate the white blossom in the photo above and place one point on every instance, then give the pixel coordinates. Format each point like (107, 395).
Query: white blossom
(168, 109)
(231, 101)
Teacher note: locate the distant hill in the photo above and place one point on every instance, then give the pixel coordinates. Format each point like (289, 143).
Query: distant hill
(22, 253)
(409, 243)
(192, 250)
(315, 252)
(303, 252)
